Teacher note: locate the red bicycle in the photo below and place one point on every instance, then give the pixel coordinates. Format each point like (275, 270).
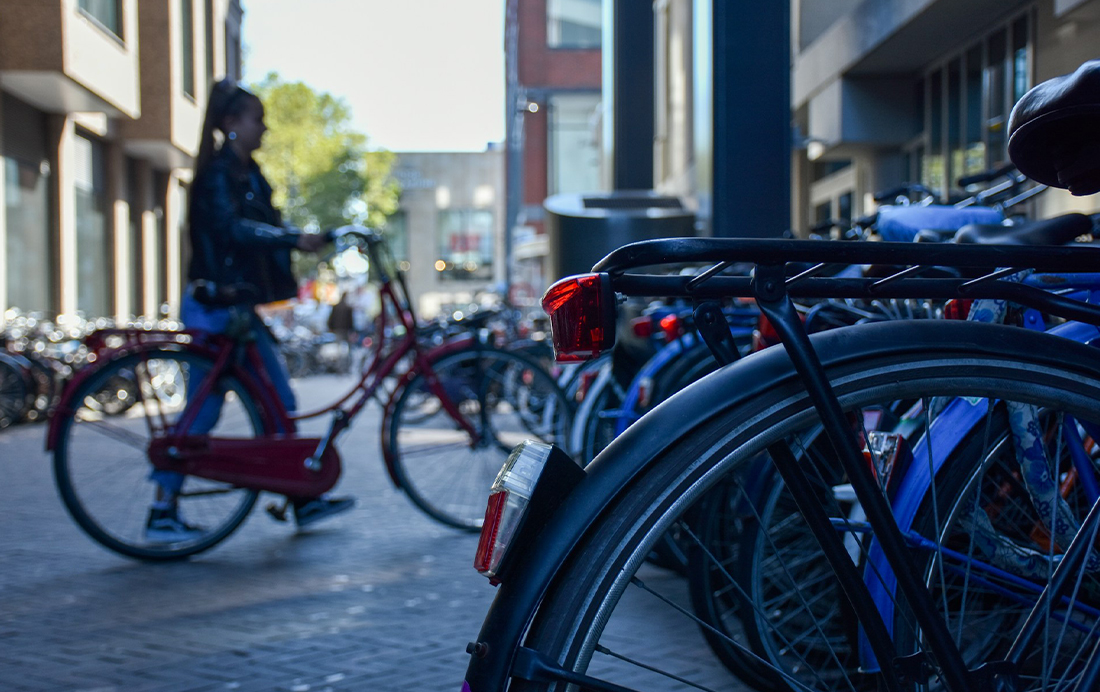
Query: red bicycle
(452, 414)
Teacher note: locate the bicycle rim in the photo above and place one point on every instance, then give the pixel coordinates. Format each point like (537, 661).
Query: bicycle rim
(505, 397)
(101, 462)
(599, 629)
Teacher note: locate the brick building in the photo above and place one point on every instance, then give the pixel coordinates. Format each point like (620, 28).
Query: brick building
(101, 102)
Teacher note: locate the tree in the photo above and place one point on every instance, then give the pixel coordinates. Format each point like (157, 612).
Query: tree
(323, 172)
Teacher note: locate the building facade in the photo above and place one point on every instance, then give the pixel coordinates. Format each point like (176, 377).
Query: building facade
(448, 231)
(881, 93)
(552, 119)
(921, 92)
(101, 103)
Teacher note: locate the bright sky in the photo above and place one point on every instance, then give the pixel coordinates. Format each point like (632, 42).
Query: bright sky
(419, 75)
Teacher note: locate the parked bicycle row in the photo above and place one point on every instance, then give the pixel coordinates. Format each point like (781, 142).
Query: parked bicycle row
(898, 504)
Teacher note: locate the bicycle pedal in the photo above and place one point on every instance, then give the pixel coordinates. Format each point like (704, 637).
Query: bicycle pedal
(277, 511)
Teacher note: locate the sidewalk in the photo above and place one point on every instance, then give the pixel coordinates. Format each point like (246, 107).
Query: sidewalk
(380, 598)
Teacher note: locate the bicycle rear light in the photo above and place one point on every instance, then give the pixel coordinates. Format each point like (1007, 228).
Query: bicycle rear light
(582, 316)
(672, 327)
(534, 480)
(642, 326)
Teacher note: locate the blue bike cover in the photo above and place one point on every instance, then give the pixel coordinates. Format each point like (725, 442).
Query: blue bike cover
(901, 223)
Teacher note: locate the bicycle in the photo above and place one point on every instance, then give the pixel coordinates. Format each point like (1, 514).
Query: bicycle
(801, 408)
(488, 401)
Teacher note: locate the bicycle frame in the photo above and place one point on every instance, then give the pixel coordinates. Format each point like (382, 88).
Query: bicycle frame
(230, 352)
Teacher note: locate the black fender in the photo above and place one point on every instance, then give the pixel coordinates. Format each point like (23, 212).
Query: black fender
(677, 418)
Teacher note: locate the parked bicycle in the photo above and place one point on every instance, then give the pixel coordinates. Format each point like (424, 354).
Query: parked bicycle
(482, 401)
(964, 603)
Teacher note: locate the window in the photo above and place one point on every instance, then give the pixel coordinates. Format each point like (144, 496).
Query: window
(466, 244)
(187, 44)
(27, 209)
(396, 231)
(137, 244)
(108, 13)
(573, 23)
(92, 241)
(574, 159)
(969, 96)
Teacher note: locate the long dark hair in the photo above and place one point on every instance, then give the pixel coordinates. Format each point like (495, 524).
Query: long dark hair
(227, 99)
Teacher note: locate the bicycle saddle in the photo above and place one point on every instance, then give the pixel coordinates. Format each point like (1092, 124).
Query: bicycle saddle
(1052, 125)
(1055, 231)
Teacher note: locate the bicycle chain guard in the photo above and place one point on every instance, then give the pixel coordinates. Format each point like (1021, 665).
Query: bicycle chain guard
(275, 463)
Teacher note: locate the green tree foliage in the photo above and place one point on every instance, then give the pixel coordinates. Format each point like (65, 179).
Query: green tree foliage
(323, 172)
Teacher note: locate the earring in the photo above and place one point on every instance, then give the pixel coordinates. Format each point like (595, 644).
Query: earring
(231, 136)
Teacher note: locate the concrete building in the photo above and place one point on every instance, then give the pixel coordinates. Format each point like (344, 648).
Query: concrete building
(101, 102)
(448, 231)
(881, 93)
(921, 91)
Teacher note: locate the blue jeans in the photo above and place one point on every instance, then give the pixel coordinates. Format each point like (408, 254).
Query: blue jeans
(215, 320)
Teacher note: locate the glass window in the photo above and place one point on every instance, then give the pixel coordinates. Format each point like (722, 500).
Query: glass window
(995, 96)
(137, 245)
(27, 208)
(466, 244)
(954, 122)
(975, 146)
(396, 231)
(1021, 74)
(187, 44)
(107, 13)
(92, 240)
(573, 23)
(574, 159)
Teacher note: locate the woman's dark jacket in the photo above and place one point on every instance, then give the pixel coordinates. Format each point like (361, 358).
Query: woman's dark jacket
(237, 236)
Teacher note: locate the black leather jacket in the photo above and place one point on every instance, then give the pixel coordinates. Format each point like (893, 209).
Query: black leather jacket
(237, 235)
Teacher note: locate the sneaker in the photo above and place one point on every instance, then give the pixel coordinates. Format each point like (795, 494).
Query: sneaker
(165, 526)
(308, 511)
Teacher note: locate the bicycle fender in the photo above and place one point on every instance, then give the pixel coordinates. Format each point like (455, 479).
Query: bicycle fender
(676, 419)
(64, 405)
(446, 348)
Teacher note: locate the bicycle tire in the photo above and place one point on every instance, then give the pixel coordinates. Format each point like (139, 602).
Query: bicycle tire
(101, 463)
(16, 393)
(573, 624)
(505, 396)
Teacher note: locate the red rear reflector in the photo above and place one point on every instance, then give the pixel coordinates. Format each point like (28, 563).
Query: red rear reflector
(670, 325)
(642, 327)
(957, 308)
(493, 513)
(582, 316)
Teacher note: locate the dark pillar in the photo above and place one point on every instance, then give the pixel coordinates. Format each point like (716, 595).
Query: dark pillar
(751, 184)
(629, 88)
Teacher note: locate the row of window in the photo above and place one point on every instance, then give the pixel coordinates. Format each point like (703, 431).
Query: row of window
(108, 14)
(464, 242)
(965, 101)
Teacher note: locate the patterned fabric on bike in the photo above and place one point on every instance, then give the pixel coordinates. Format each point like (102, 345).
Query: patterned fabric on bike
(902, 223)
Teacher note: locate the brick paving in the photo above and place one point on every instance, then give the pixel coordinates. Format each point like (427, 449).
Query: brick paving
(380, 598)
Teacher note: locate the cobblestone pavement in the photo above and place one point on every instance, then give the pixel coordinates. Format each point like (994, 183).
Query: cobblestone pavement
(380, 598)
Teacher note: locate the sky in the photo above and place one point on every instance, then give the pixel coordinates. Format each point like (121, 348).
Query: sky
(419, 75)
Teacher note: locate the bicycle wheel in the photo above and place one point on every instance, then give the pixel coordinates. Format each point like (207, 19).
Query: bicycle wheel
(621, 629)
(15, 393)
(1002, 538)
(101, 462)
(504, 396)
